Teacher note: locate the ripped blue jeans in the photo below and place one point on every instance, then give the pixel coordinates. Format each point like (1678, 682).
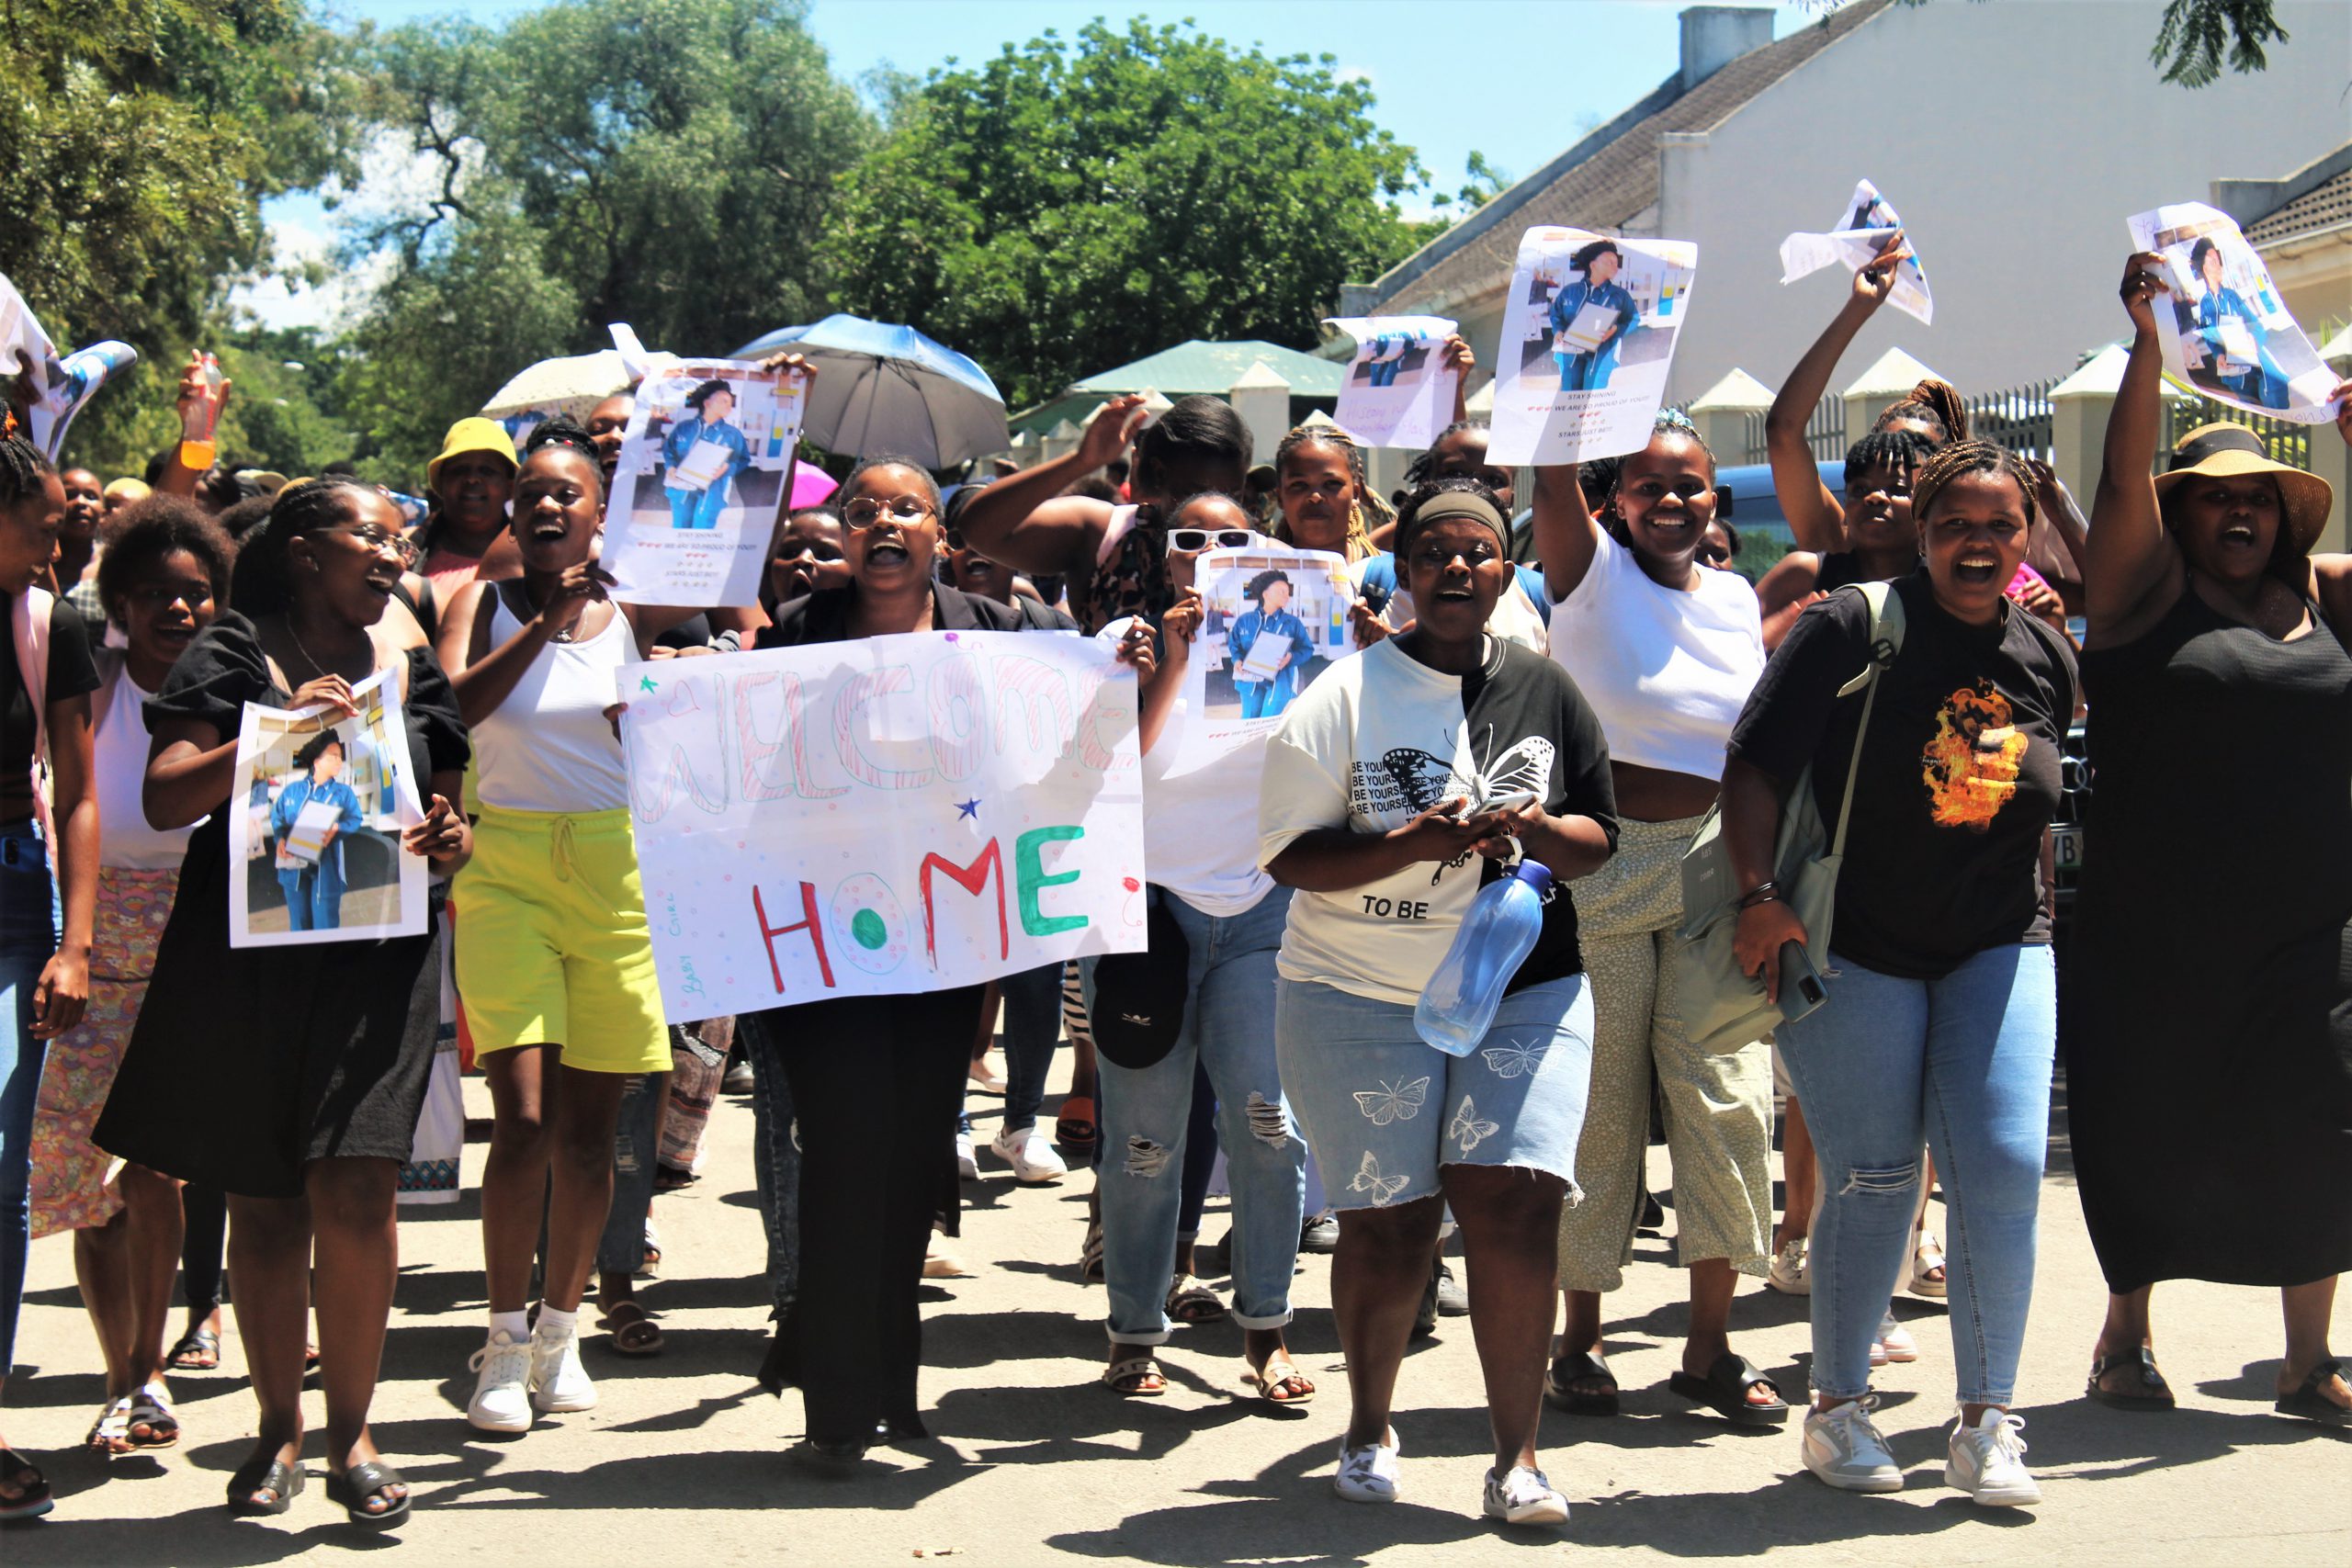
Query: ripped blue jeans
(1229, 1032)
(636, 1144)
(1961, 1065)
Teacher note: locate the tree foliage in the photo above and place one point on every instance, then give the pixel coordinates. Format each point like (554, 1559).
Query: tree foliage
(2195, 34)
(139, 139)
(663, 162)
(1070, 205)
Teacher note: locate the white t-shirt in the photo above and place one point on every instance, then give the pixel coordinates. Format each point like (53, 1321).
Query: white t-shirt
(548, 747)
(1196, 839)
(1666, 671)
(120, 756)
(1382, 738)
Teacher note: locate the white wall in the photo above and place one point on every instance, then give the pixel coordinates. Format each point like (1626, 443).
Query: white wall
(2016, 138)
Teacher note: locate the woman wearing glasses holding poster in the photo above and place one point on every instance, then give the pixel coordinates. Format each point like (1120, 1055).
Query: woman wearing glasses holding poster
(291, 1076)
(870, 1185)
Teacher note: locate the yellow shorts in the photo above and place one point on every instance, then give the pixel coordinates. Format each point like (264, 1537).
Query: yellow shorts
(552, 944)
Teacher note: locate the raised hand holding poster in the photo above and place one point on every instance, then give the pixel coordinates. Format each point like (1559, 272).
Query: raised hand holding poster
(315, 818)
(1588, 333)
(878, 817)
(1862, 231)
(2227, 332)
(1398, 390)
(704, 468)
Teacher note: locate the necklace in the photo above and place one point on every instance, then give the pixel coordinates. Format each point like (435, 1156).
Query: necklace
(316, 667)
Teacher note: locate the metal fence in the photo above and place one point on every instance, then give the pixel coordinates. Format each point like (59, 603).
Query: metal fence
(2017, 418)
(1825, 433)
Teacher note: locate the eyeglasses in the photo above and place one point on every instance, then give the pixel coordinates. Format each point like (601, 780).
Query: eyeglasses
(1191, 541)
(378, 541)
(906, 511)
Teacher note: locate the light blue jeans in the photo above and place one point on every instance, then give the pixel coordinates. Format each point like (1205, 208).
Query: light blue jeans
(1961, 1065)
(1229, 1032)
(28, 924)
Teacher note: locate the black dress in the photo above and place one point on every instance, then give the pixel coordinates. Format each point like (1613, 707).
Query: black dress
(2208, 1036)
(248, 1063)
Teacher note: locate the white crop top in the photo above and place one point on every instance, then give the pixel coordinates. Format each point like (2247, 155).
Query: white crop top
(120, 753)
(549, 747)
(1666, 671)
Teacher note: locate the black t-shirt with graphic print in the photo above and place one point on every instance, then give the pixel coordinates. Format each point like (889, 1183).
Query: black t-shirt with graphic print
(1959, 774)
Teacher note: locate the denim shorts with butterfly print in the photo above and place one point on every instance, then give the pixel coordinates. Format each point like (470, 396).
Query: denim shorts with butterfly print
(1383, 1110)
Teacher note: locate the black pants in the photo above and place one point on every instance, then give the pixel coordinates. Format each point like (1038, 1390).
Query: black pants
(207, 1213)
(876, 1082)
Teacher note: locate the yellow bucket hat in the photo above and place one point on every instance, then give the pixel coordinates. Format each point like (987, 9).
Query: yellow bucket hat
(476, 435)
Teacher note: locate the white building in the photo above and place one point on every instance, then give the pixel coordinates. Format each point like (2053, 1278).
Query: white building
(2015, 136)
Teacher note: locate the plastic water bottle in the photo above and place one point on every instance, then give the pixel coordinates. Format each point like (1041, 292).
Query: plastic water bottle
(1458, 1004)
(197, 426)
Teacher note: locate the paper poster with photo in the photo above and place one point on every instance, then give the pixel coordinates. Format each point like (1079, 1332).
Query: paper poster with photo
(1861, 231)
(314, 833)
(881, 817)
(704, 468)
(1272, 619)
(2224, 329)
(1395, 392)
(1587, 337)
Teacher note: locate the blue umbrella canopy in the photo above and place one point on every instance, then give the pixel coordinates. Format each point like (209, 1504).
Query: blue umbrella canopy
(882, 387)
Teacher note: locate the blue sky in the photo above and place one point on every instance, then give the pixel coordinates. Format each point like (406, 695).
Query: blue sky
(1427, 63)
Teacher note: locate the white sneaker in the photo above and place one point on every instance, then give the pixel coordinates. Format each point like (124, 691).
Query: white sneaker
(1368, 1474)
(966, 1165)
(1790, 1276)
(502, 1401)
(1893, 1343)
(1030, 1154)
(1987, 1461)
(1524, 1497)
(1846, 1450)
(559, 1380)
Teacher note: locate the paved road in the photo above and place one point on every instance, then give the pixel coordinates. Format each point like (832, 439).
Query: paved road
(1034, 1463)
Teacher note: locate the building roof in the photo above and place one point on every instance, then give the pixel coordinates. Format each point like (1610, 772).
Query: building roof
(1185, 370)
(2325, 206)
(1608, 179)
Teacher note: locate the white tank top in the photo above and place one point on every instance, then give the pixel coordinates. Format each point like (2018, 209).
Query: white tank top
(549, 747)
(1665, 672)
(125, 841)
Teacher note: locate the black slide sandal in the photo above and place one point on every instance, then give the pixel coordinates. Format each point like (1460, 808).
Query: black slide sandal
(2309, 1402)
(2158, 1394)
(361, 1481)
(1574, 1366)
(267, 1474)
(1724, 1391)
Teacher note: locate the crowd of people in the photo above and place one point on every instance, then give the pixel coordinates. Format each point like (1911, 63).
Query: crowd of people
(1576, 696)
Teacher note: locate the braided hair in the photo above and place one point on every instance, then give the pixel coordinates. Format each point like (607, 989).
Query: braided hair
(1419, 472)
(1932, 403)
(1969, 458)
(22, 467)
(562, 429)
(263, 583)
(1358, 543)
(1900, 451)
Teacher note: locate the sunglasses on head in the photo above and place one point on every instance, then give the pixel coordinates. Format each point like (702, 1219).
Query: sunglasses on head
(1191, 541)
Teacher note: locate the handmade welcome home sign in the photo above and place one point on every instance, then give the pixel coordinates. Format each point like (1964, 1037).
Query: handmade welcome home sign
(893, 815)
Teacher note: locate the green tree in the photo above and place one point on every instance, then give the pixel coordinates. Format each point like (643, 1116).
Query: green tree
(2194, 37)
(1070, 205)
(663, 162)
(139, 137)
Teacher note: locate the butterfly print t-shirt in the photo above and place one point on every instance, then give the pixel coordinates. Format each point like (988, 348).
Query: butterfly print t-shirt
(1381, 737)
(1960, 773)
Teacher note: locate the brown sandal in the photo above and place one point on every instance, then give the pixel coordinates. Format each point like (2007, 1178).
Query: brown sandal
(633, 1330)
(1135, 1377)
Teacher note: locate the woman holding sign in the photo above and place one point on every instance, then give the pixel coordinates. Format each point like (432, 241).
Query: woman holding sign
(1388, 843)
(291, 1077)
(869, 1186)
(703, 454)
(1666, 653)
(554, 959)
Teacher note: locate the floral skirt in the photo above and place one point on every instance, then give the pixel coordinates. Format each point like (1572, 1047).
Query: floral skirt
(70, 1189)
